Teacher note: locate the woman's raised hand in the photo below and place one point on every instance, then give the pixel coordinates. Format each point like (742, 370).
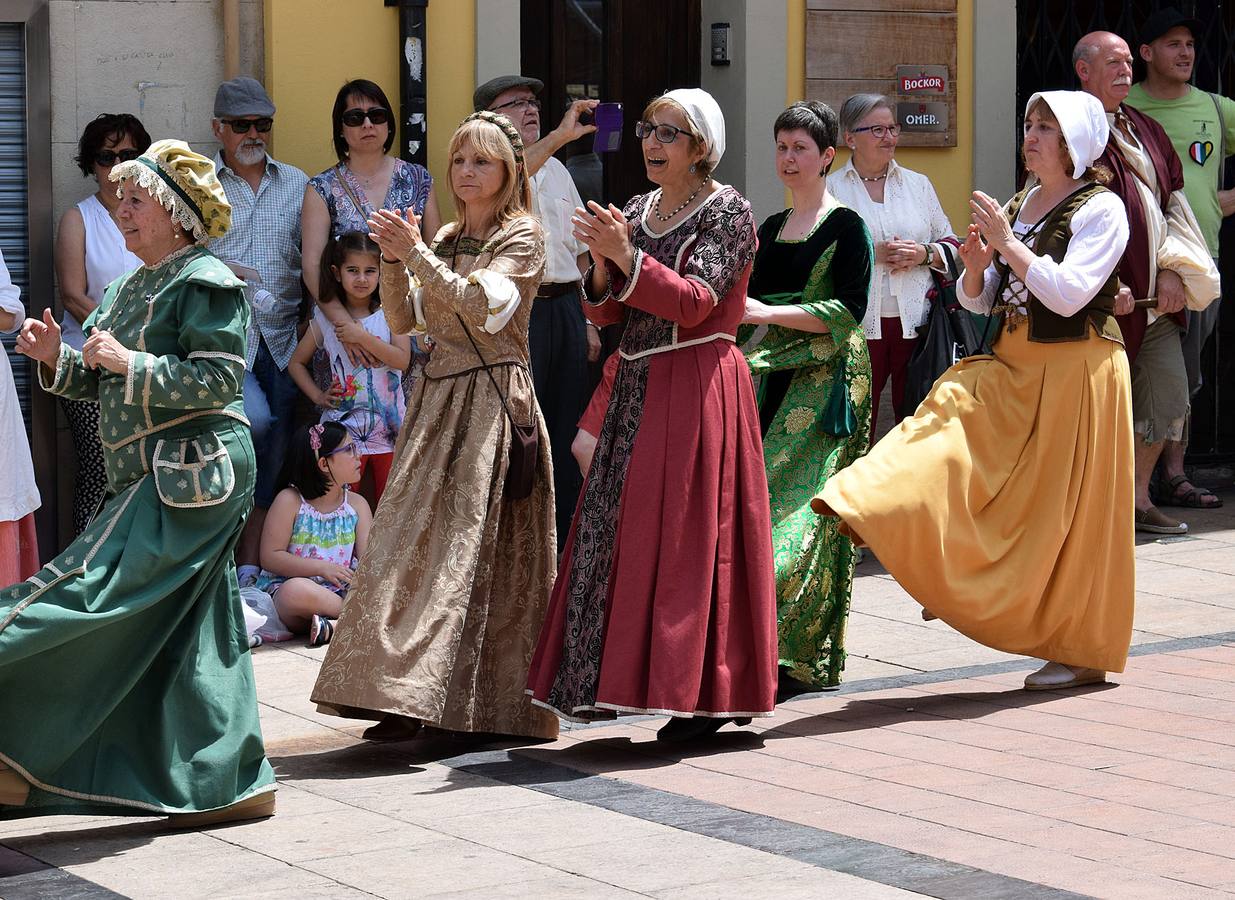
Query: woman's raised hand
(976, 253)
(606, 233)
(989, 217)
(40, 339)
(395, 233)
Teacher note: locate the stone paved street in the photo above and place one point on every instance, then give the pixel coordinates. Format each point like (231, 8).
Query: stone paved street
(928, 773)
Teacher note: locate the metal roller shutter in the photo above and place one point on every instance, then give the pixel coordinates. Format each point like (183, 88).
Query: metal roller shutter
(13, 195)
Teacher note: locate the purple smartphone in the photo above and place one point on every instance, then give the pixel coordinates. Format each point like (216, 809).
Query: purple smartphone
(608, 119)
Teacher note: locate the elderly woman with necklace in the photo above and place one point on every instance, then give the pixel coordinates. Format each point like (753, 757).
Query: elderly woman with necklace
(443, 614)
(809, 285)
(909, 228)
(665, 602)
(1004, 504)
(126, 686)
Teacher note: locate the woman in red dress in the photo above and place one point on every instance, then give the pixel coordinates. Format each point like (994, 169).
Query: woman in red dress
(665, 601)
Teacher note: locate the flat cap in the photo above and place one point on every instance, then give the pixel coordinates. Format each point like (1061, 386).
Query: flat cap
(242, 96)
(491, 89)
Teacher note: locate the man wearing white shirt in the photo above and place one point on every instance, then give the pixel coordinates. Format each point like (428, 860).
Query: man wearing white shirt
(560, 342)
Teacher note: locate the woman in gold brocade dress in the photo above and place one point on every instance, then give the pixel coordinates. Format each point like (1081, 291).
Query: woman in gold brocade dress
(1004, 504)
(443, 614)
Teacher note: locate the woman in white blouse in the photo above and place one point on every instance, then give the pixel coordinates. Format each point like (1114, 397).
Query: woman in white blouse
(906, 223)
(1004, 504)
(19, 496)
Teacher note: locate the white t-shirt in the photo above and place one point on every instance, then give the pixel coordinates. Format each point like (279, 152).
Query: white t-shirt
(19, 495)
(554, 198)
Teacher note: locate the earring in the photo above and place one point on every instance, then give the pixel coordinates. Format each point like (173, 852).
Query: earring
(694, 167)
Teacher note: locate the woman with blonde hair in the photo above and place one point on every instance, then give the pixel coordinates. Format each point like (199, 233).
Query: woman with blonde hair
(443, 613)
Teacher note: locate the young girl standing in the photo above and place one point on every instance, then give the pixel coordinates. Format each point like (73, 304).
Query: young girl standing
(368, 399)
(315, 531)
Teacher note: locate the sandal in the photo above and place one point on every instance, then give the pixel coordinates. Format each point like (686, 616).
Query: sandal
(1196, 498)
(321, 630)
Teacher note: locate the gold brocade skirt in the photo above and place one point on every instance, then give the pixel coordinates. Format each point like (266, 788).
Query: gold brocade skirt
(1005, 503)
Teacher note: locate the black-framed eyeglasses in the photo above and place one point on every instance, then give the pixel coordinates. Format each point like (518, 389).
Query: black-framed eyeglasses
(666, 134)
(242, 126)
(518, 105)
(111, 157)
(879, 131)
(349, 447)
(378, 115)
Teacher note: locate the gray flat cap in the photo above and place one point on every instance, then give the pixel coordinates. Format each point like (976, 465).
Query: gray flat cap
(242, 96)
(489, 91)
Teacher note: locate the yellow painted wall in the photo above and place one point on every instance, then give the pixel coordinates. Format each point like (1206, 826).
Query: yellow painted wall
(314, 46)
(949, 168)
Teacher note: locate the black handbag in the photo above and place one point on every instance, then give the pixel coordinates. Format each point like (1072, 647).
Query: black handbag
(524, 439)
(950, 335)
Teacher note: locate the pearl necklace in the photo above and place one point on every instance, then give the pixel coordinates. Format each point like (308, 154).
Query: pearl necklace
(684, 204)
(877, 178)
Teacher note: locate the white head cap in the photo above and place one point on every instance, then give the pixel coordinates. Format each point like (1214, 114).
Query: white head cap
(1083, 123)
(705, 113)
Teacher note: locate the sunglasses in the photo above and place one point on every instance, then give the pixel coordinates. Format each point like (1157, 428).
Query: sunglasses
(521, 104)
(107, 158)
(879, 132)
(242, 126)
(666, 134)
(354, 118)
(349, 448)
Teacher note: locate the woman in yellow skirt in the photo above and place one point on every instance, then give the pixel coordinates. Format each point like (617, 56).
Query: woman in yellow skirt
(1004, 505)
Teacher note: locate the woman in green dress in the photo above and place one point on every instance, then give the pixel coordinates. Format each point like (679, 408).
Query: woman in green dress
(809, 286)
(126, 686)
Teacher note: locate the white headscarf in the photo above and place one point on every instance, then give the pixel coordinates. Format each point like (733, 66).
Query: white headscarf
(704, 112)
(1083, 123)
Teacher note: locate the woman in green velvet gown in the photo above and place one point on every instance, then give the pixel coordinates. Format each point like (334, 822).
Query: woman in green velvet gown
(809, 286)
(126, 686)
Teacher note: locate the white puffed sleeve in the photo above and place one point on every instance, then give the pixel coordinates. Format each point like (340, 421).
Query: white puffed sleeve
(1099, 236)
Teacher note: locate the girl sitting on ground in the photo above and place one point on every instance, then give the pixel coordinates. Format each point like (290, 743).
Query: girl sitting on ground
(315, 532)
(368, 400)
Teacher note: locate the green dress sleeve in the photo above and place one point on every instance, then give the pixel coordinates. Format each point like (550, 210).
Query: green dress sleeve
(71, 379)
(208, 371)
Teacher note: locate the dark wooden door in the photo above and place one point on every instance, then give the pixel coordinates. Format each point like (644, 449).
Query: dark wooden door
(627, 51)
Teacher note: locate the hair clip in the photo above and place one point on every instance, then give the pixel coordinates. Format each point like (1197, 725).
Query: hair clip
(315, 438)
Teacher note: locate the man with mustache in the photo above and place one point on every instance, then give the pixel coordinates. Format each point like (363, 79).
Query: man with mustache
(1202, 128)
(263, 247)
(1166, 261)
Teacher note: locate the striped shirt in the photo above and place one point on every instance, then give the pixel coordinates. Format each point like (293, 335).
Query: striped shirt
(265, 236)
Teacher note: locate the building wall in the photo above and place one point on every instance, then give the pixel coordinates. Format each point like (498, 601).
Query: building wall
(305, 70)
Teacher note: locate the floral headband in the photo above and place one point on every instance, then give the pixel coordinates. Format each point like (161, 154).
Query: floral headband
(507, 127)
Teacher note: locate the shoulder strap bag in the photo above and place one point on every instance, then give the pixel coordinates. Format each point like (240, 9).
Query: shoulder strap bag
(524, 438)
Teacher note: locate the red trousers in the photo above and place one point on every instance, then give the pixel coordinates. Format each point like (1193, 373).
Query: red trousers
(381, 463)
(889, 357)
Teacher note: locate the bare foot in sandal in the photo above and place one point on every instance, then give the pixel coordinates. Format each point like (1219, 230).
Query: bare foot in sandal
(1184, 493)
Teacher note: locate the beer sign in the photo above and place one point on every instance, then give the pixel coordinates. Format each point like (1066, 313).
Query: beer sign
(919, 116)
(917, 80)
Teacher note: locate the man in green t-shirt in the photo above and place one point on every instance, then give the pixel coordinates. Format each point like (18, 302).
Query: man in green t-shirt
(1202, 128)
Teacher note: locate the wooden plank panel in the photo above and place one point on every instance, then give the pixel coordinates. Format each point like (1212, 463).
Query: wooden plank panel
(866, 45)
(883, 5)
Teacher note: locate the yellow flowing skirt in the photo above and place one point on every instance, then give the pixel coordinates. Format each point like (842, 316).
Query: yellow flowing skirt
(1005, 504)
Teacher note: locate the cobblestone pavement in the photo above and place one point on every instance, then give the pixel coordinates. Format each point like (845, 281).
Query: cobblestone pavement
(927, 773)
